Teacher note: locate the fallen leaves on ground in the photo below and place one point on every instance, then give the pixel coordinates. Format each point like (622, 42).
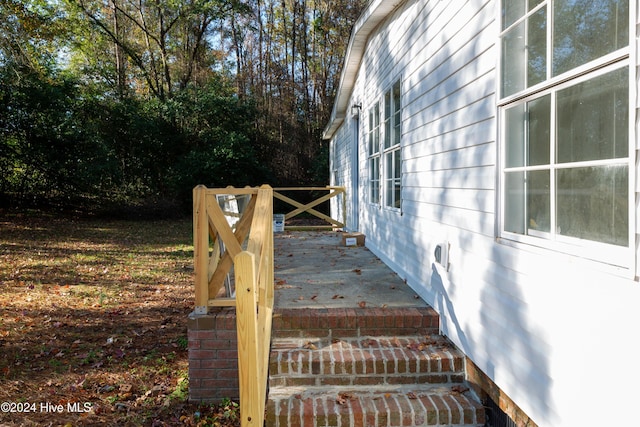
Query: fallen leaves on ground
(94, 318)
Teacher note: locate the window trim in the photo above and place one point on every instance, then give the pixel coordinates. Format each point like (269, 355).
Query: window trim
(388, 176)
(373, 155)
(382, 130)
(614, 258)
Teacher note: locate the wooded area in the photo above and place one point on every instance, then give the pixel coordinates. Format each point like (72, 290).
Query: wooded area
(121, 103)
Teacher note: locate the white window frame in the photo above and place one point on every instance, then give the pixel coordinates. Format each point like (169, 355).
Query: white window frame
(391, 146)
(620, 258)
(373, 153)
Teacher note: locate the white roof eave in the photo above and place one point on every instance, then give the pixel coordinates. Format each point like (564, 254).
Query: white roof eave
(374, 13)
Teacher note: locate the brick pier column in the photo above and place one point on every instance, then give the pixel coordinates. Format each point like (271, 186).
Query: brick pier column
(213, 356)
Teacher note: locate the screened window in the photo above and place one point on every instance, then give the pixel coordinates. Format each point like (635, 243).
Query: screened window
(565, 110)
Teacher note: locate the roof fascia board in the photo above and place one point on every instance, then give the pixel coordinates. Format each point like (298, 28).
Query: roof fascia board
(371, 17)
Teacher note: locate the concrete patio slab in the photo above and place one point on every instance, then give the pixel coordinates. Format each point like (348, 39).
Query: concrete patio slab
(314, 270)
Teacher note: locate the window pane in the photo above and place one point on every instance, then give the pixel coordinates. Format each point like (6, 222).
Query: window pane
(514, 123)
(513, 61)
(397, 168)
(396, 203)
(584, 30)
(387, 105)
(374, 183)
(534, 3)
(514, 202)
(592, 203)
(387, 119)
(539, 125)
(537, 47)
(512, 10)
(374, 129)
(539, 201)
(396, 113)
(392, 178)
(396, 97)
(528, 202)
(374, 138)
(593, 119)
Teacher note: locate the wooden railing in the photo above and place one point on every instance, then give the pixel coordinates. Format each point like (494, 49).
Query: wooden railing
(300, 208)
(225, 220)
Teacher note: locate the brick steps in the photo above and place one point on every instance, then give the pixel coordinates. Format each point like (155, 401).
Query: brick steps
(366, 367)
(365, 361)
(372, 406)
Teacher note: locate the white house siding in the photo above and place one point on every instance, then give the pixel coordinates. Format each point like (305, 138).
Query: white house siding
(340, 168)
(556, 333)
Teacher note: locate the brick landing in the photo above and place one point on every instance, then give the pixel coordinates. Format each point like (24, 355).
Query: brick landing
(366, 367)
(354, 322)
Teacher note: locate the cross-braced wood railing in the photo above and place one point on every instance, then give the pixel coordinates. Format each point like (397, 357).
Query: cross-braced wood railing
(309, 207)
(222, 225)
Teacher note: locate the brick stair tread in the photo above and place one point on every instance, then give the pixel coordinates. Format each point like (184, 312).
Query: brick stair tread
(354, 322)
(366, 367)
(365, 361)
(403, 405)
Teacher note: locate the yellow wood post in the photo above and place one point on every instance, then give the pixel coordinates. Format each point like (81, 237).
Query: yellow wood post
(201, 249)
(265, 308)
(264, 228)
(251, 401)
(261, 227)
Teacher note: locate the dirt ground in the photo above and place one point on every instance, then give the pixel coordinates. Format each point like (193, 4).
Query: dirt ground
(93, 323)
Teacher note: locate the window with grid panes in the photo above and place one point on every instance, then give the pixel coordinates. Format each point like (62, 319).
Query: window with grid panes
(391, 149)
(566, 156)
(374, 153)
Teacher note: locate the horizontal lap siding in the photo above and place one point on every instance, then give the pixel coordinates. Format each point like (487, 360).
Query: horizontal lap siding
(444, 53)
(521, 312)
(340, 167)
(448, 125)
(500, 304)
(462, 198)
(343, 153)
(449, 140)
